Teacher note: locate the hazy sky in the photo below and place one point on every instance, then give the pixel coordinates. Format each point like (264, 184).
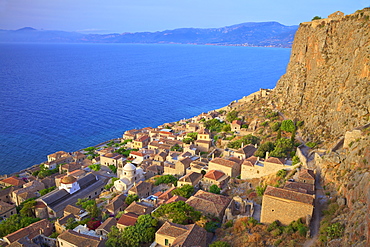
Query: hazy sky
(108, 16)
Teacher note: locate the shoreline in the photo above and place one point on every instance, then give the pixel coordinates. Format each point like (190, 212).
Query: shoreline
(261, 93)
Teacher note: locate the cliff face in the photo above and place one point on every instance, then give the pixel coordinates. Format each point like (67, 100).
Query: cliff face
(327, 85)
(327, 80)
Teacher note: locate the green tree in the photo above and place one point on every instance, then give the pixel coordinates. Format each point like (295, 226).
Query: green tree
(165, 179)
(95, 167)
(231, 116)
(316, 18)
(248, 139)
(14, 223)
(260, 190)
(192, 135)
(219, 244)
(226, 128)
(283, 147)
(214, 189)
(27, 209)
(295, 160)
(45, 191)
(214, 125)
(264, 148)
(113, 168)
(131, 198)
(275, 126)
(140, 234)
(184, 191)
(178, 212)
(187, 140)
(176, 147)
(288, 126)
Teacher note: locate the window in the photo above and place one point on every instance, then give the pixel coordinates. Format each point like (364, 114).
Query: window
(166, 242)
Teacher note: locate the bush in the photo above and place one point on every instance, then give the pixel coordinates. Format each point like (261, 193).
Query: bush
(214, 189)
(316, 18)
(335, 230)
(219, 244)
(311, 144)
(131, 198)
(248, 139)
(165, 179)
(281, 173)
(288, 126)
(295, 160)
(260, 190)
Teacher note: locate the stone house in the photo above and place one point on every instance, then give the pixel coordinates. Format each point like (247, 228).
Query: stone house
(229, 167)
(215, 177)
(29, 190)
(58, 158)
(60, 224)
(204, 135)
(141, 189)
(197, 166)
(161, 156)
(111, 159)
(210, 204)
(128, 219)
(153, 170)
(12, 181)
(177, 168)
(69, 167)
(139, 208)
(203, 145)
(71, 238)
(141, 142)
(44, 227)
(306, 176)
(285, 205)
(192, 127)
(245, 152)
(6, 210)
(171, 234)
(105, 228)
(6, 194)
(116, 205)
(236, 125)
(192, 179)
(253, 167)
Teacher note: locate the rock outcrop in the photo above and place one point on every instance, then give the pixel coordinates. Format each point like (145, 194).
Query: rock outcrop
(327, 80)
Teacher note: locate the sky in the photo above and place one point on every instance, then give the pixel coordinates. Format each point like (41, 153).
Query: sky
(119, 16)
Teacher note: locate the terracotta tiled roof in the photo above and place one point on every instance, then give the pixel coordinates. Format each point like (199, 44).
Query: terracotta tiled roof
(128, 219)
(13, 181)
(137, 153)
(306, 174)
(191, 177)
(107, 224)
(176, 199)
(209, 203)
(78, 239)
(143, 138)
(139, 208)
(167, 194)
(289, 195)
(31, 231)
(4, 207)
(214, 175)
(236, 160)
(238, 122)
(300, 187)
(223, 162)
(185, 235)
(275, 160)
(248, 150)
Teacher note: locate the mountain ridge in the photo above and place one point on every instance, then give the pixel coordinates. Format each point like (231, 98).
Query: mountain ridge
(265, 34)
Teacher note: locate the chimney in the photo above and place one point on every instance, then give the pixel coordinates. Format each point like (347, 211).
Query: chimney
(255, 145)
(242, 144)
(267, 155)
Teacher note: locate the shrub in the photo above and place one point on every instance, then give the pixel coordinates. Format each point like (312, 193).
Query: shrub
(311, 144)
(316, 18)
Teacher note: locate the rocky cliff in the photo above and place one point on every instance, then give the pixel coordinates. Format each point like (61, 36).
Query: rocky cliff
(327, 80)
(327, 86)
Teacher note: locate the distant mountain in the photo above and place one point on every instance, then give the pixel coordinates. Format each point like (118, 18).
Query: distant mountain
(264, 34)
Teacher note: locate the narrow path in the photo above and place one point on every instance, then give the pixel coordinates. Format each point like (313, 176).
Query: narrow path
(316, 217)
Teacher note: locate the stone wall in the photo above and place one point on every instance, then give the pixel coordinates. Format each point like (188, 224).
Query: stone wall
(282, 210)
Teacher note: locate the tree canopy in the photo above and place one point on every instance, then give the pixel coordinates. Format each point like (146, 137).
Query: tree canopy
(248, 139)
(133, 236)
(214, 189)
(214, 125)
(178, 212)
(131, 198)
(184, 191)
(165, 179)
(231, 116)
(283, 147)
(263, 148)
(288, 126)
(14, 223)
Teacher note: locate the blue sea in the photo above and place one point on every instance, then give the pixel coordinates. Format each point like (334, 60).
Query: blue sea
(71, 96)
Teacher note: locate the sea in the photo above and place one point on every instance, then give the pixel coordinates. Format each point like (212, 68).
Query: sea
(70, 96)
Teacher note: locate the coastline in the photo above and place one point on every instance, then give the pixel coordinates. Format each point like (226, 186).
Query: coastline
(245, 99)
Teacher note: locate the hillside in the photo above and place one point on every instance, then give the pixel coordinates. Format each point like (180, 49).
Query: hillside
(327, 80)
(327, 86)
(269, 34)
